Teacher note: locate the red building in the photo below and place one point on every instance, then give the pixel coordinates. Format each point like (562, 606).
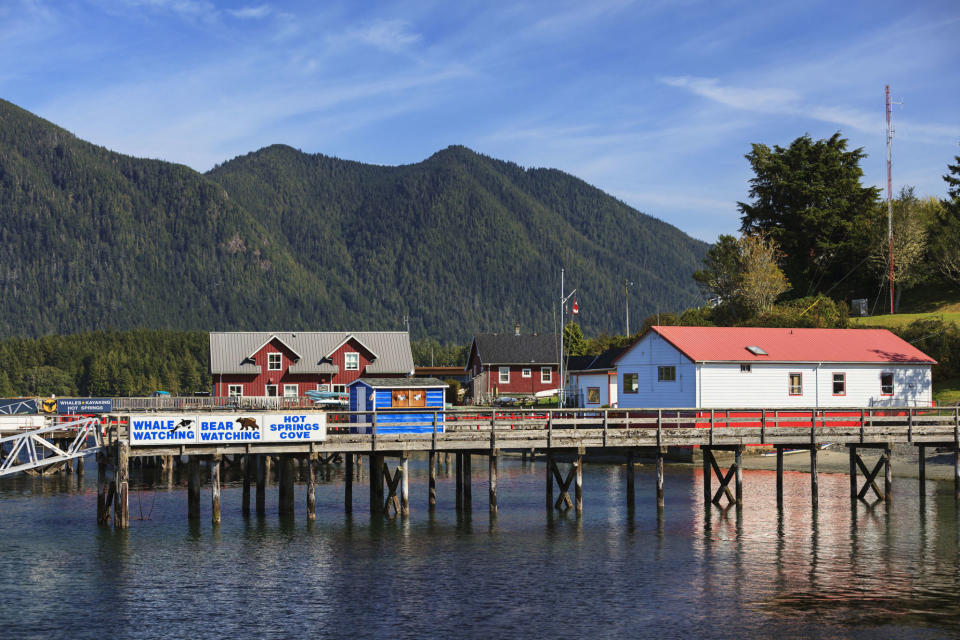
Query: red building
(503, 364)
(262, 363)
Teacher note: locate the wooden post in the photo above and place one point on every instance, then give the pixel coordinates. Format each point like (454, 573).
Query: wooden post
(261, 484)
(467, 482)
(458, 462)
(404, 486)
(121, 510)
(922, 450)
(286, 471)
(814, 481)
(376, 483)
(311, 487)
(660, 477)
(193, 488)
(956, 472)
(550, 466)
(579, 484)
(102, 510)
(433, 480)
(268, 461)
(631, 480)
(493, 482)
(707, 471)
(215, 487)
(738, 461)
(348, 485)
(853, 471)
(779, 476)
(887, 474)
(247, 476)
(80, 465)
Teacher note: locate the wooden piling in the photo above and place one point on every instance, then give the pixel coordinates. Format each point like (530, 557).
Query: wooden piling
(261, 484)
(853, 472)
(922, 450)
(348, 485)
(286, 470)
(121, 511)
(578, 489)
(404, 487)
(660, 477)
(814, 480)
(493, 482)
(193, 488)
(247, 477)
(376, 483)
(956, 472)
(631, 481)
(102, 510)
(707, 455)
(80, 466)
(215, 487)
(458, 462)
(433, 481)
(738, 489)
(467, 482)
(311, 488)
(550, 466)
(268, 461)
(887, 474)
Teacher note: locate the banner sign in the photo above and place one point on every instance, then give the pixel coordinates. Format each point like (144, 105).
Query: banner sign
(162, 430)
(84, 405)
(17, 405)
(247, 428)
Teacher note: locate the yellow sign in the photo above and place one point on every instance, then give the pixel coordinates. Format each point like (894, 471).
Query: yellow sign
(48, 405)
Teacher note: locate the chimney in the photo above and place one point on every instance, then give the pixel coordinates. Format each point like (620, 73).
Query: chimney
(516, 329)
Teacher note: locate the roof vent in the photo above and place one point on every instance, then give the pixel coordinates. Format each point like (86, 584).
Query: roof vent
(757, 351)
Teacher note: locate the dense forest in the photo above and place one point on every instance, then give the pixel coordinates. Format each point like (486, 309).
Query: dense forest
(92, 240)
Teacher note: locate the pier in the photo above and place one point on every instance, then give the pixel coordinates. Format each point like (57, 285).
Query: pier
(562, 436)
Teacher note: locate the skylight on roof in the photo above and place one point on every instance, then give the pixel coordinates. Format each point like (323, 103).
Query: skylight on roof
(757, 351)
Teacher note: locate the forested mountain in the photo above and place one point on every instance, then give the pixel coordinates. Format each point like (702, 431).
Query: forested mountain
(459, 243)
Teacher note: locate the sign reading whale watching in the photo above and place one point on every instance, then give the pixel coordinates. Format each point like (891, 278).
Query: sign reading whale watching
(248, 428)
(161, 430)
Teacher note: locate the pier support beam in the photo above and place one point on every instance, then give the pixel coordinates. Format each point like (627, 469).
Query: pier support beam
(574, 475)
(631, 481)
(856, 462)
(311, 488)
(103, 510)
(494, 455)
(814, 479)
(193, 487)
(247, 477)
(659, 477)
(467, 484)
(215, 487)
(710, 466)
(121, 510)
(433, 481)
(405, 486)
(551, 466)
(376, 483)
(779, 476)
(348, 484)
(458, 463)
(286, 470)
(922, 470)
(261, 484)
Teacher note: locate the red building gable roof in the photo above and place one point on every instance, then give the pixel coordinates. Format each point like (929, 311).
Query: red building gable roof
(730, 344)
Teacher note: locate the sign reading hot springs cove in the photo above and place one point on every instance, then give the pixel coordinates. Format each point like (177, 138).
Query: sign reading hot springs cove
(227, 428)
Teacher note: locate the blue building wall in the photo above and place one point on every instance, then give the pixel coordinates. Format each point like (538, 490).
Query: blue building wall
(401, 420)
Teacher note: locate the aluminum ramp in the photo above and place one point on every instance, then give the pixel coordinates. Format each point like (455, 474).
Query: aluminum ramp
(25, 447)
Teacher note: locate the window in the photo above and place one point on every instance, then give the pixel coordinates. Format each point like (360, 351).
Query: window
(593, 395)
(351, 361)
(839, 384)
(504, 374)
(339, 388)
(631, 383)
(272, 390)
(290, 391)
(745, 368)
(274, 362)
(323, 387)
(546, 374)
(526, 373)
(401, 398)
(796, 384)
(235, 391)
(666, 374)
(886, 384)
(418, 398)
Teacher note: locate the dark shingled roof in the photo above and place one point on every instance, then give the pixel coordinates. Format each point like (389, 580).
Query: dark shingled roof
(509, 348)
(594, 363)
(400, 382)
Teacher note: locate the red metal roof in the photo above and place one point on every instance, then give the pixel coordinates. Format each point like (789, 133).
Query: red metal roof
(729, 344)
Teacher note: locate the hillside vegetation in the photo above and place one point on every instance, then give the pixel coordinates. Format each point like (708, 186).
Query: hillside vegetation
(459, 243)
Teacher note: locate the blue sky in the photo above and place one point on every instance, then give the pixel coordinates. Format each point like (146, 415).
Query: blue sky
(654, 102)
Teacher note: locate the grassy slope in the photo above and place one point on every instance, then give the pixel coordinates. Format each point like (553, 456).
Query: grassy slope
(926, 302)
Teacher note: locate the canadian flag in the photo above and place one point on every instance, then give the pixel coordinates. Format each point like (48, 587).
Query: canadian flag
(576, 307)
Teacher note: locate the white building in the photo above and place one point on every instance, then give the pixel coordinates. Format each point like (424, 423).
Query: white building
(750, 367)
(592, 380)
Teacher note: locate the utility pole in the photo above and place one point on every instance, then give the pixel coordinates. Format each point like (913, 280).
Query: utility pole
(563, 320)
(626, 299)
(890, 192)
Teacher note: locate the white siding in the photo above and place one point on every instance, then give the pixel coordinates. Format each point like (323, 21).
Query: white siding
(767, 385)
(643, 359)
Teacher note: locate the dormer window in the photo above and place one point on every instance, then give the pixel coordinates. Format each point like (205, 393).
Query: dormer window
(274, 362)
(351, 361)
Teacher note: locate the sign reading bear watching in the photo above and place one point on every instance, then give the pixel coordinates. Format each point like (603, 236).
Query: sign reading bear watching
(230, 428)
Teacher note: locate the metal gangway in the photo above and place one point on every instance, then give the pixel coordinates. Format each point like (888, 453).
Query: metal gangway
(84, 437)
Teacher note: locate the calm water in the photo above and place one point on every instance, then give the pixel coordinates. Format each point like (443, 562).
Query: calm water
(869, 572)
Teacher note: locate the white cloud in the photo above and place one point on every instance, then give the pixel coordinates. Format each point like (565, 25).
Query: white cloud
(390, 35)
(247, 13)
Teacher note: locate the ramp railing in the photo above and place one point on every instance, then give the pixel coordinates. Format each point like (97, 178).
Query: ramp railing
(82, 437)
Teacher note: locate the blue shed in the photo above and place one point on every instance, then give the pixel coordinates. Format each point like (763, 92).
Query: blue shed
(403, 405)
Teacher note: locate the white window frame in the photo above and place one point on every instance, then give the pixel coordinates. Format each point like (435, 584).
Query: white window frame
(351, 361)
(842, 381)
(235, 391)
(526, 372)
(323, 387)
(546, 375)
(503, 375)
(893, 387)
(288, 387)
(274, 361)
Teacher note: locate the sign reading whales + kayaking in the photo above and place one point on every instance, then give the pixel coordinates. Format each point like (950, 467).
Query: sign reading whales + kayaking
(160, 430)
(293, 427)
(236, 427)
